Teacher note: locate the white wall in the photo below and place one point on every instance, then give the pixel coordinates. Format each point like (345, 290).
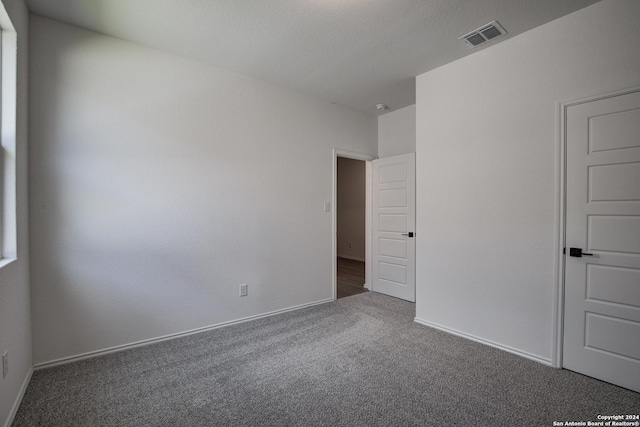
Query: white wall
(397, 132)
(487, 175)
(15, 315)
(351, 208)
(160, 184)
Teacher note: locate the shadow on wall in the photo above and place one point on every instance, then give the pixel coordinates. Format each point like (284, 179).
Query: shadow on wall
(159, 184)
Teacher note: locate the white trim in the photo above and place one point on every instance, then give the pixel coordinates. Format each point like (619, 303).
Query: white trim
(560, 224)
(368, 244)
(352, 258)
(6, 261)
(490, 343)
(18, 401)
(336, 152)
(8, 144)
(142, 343)
(558, 265)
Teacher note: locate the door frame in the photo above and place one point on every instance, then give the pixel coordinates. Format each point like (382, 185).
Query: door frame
(561, 217)
(367, 158)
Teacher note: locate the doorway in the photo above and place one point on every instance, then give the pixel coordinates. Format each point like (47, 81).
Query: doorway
(351, 222)
(350, 233)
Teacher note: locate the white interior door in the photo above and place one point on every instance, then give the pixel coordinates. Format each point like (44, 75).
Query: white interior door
(602, 287)
(393, 225)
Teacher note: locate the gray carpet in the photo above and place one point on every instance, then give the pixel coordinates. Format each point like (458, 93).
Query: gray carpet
(358, 361)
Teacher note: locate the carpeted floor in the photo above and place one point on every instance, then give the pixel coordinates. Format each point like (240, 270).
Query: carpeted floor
(358, 361)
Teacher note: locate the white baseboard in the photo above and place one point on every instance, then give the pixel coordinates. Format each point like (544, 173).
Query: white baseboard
(352, 258)
(97, 353)
(499, 346)
(18, 401)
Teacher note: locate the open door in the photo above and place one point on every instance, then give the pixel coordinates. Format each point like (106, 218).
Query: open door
(393, 226)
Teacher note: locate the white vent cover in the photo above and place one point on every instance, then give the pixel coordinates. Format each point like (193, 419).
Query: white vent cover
(483, 34)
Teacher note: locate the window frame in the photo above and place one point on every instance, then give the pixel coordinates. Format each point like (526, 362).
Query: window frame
(8, 138)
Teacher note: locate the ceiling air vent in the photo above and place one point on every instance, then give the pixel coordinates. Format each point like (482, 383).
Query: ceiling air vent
(483, 34)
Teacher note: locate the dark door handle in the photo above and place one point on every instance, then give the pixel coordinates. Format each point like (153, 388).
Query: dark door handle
(577, 252)
(409, 234)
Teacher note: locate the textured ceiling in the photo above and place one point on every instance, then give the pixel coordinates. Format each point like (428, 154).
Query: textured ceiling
(355, 53)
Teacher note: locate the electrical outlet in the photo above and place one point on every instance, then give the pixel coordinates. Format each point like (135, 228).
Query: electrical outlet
(244, 291)
(5, 364)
